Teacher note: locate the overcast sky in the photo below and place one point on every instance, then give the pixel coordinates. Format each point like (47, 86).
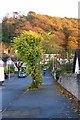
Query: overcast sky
(58, 8)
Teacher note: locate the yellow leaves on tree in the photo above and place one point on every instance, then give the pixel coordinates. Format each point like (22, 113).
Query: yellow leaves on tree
(29, 48)
(72, 42)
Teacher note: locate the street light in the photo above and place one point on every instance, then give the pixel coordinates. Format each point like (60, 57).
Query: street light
(9, 63)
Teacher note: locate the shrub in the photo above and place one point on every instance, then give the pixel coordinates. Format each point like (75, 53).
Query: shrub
(11, 70)
(58, 73)
(5, 71)
(68, 67)
(16, 72)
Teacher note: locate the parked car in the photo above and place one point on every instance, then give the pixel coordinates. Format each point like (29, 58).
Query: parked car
(22, 75)
(44, 69)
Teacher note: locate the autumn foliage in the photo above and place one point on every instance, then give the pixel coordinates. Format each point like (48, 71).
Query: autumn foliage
(29, 49)
(59, 33)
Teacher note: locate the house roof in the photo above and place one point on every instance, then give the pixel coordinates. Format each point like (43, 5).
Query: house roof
(5, 58)
(12, 58)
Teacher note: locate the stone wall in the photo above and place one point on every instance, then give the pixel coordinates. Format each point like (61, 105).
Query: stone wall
(71, 83)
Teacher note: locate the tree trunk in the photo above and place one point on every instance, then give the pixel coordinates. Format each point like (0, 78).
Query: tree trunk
(18, 71)
(34, 84)
(18, 65)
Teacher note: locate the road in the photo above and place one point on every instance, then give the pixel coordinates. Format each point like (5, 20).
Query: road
(45, 103)
(13, 89)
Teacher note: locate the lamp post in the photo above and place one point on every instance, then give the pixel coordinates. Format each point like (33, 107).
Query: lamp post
(9, 70)
(53, 63)
(9, 63)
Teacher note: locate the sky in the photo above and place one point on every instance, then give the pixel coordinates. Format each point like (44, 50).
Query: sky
(56, 8)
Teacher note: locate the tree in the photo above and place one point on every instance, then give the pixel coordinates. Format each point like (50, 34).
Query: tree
(72, 42)
(53, 42)
(61, 29)
(18, 63)
(29, 48)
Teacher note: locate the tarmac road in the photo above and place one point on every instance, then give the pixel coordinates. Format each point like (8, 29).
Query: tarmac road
(45, 103)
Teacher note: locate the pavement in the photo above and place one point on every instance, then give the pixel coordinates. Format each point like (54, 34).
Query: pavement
(44, 103)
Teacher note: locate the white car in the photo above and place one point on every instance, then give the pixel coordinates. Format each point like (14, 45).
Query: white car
(22, 75)
(44, 69)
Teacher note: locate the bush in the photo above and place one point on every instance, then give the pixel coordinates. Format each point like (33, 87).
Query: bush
(11, 69)
(5, 71)
(58, 73)
(68, 67)
(16, 72)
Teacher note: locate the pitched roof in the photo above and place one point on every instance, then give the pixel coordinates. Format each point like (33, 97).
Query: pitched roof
(5, 58)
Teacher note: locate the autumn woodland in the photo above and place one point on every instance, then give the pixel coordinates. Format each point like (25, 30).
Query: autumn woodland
(60, 34)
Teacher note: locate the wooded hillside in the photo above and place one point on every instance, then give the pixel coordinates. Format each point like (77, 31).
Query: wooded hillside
(59, 33)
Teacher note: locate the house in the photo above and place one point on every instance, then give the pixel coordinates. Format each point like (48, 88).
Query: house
(13, 61)
(1, 71)
(76, 65)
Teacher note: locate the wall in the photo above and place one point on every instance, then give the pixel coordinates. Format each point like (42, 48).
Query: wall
(71, 83)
